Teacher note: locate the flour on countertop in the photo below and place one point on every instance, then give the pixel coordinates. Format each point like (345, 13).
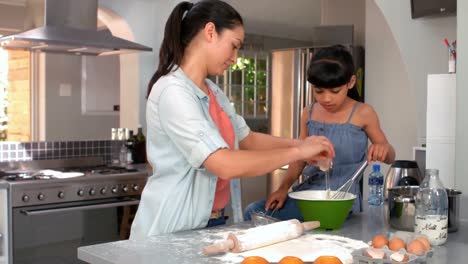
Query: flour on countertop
(307, 247)
(211, 236)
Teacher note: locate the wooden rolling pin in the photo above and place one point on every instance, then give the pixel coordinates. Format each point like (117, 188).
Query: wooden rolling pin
(261, 236)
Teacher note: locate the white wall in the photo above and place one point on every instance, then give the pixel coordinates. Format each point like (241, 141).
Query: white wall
(421, 45)
(345, 12)
(146, 19)
(387, 83)
(11, 18)
(273, 18)
(461, 147)
(63, 117)
(270, 43)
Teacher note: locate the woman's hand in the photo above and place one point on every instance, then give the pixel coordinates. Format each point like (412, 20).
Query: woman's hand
(378, 152)
(315, 148)
(276, 200)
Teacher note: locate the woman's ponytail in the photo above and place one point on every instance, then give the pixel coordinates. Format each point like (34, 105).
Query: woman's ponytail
(184, 23)
(172, 49)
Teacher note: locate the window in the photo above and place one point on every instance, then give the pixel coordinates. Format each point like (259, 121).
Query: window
(246, 84)
(15, 95)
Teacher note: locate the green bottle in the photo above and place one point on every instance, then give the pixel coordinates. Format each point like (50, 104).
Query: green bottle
(139, 147)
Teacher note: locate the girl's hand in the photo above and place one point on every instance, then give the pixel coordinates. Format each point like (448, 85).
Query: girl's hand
(378, 152)
(276, 200)
(315, 148)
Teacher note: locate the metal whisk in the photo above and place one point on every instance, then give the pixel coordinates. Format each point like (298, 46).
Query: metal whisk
(341, 192)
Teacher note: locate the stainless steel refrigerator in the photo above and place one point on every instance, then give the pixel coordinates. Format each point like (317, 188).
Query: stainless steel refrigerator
(290, 93)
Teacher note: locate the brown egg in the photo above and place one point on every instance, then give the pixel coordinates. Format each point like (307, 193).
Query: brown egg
(327, 260)
(416, 247)
(291, 260)
(254, 260)
(374, 253)
(426, 243)
(396, 244)
(399, 257)
(379, 241)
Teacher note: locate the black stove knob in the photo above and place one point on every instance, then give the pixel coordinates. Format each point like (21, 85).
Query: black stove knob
(125, 188)
(80, 192)
(136, 188)
(114, 189)
(103, 191)
(92, 192)
(25, 198)
(61, 195)
(40, 196)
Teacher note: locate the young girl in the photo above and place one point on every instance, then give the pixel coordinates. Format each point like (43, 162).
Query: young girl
(346, 122)
(196, 142)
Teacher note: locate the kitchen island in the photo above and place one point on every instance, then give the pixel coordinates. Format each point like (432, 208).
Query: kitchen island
(185, 247)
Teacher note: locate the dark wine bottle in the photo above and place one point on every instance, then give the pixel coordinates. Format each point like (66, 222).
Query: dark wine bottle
(139, 147)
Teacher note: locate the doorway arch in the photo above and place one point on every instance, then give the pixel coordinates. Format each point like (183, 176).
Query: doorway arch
(129, 69)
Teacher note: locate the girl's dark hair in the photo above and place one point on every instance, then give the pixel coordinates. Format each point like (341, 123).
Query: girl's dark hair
(183, 24)
(332, 67)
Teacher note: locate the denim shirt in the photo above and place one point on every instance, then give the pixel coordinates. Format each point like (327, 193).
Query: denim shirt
(180, 137)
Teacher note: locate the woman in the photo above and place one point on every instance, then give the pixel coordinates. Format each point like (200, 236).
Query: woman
(196, 142)
(348, 124)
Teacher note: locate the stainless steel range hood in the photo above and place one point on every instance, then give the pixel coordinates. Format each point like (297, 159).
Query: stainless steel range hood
(68, 26)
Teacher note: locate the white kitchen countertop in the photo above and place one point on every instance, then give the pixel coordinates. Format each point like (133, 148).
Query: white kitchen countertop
(185, 247)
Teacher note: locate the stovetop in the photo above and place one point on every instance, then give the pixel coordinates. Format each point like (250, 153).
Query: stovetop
(32, 186)
(32, 175)
(103, 169)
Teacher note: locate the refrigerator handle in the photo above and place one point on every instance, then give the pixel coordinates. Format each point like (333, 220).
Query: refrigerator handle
(302, 93)
(304, 88)
(300, 96)
(307, 99)
(307, 87)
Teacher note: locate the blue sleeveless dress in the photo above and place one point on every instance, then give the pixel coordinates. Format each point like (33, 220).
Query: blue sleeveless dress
(350, 142)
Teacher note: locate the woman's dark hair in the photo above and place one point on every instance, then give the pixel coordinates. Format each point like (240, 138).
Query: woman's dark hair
(332, 67)
(183, 24)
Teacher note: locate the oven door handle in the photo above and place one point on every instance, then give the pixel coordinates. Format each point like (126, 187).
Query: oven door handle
(79, 207)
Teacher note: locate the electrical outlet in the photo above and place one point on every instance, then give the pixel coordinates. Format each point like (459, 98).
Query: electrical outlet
(65, 89)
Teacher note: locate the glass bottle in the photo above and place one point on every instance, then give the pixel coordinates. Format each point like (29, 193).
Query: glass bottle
(130, 145)
(431, 217)
(123, 156)
(139, 147)
(124, 151)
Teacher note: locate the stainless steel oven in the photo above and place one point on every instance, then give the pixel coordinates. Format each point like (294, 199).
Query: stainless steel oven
(45, 220)
(51, 234)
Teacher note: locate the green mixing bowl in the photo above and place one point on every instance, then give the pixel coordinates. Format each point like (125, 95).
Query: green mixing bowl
(315, 206)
